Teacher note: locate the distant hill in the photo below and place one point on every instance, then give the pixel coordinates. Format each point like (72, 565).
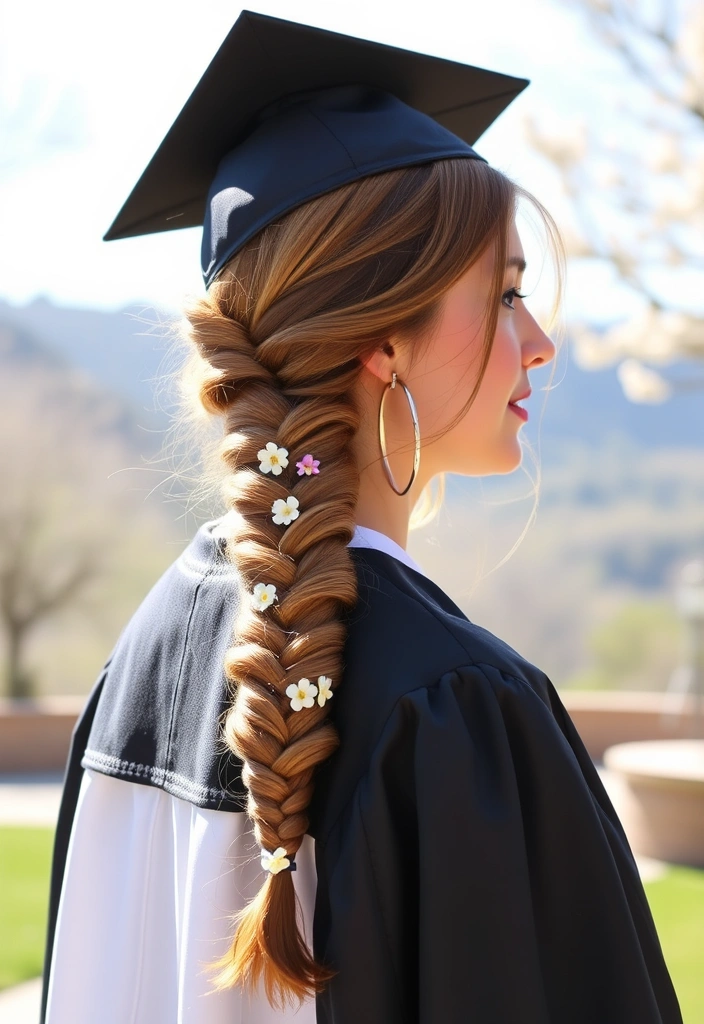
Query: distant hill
(18, 345)
(77, 389)
(120, 351)
(129, 350)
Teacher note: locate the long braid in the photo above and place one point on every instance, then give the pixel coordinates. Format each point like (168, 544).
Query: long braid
(301, 635)
(277, 349)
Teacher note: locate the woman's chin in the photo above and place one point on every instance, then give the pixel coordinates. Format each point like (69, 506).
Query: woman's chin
(505, 460)
(510, 459)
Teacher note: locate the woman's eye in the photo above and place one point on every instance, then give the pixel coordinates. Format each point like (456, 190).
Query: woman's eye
(511, 294)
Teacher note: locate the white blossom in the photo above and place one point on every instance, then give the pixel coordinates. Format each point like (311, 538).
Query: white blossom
(276, 861)
(302, 694)
(285, 510)
(263, 595)
(272, 459)
(324, 691)
(641, 384)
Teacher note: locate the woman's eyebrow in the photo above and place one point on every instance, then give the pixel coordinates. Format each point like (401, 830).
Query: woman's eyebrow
(516, 261)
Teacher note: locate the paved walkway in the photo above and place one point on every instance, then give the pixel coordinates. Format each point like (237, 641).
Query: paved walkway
(30, 800)
(34, 801)
(21, 1004)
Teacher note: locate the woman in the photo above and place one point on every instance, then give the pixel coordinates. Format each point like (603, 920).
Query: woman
(456, 856)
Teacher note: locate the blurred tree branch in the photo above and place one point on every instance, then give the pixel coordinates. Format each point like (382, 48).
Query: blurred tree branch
(636, 192)
(50, 550)
(74, 531)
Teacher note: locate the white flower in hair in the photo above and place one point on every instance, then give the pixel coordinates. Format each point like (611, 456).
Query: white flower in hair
(272, 459)
(285, 511)
(263, 595)
(324, 691)
(302, 694)
(276, 861)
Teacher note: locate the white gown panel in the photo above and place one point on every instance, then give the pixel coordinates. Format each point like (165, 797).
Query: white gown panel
(149, 887)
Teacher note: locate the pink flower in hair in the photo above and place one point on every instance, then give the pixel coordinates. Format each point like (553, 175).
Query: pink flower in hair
(308, 465)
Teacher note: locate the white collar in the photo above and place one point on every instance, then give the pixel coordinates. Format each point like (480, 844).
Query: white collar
(365, 537)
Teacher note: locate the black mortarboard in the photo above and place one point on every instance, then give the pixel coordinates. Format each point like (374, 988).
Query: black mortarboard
(286, 112)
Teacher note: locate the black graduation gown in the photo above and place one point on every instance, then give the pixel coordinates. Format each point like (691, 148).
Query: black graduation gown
(471, 867)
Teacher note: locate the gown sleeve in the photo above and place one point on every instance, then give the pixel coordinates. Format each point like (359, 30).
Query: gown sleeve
(480, 873)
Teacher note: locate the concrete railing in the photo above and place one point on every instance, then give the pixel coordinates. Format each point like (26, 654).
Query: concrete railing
(35, 734)
(604, 718)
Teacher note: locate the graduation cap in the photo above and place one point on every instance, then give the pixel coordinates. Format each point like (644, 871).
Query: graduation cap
(286, 112)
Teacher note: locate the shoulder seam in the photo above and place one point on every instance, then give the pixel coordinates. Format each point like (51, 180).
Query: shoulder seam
(425, 607)
(430, 610)
(177, 684)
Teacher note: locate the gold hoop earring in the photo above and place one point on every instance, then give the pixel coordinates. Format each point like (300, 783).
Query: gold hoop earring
(382, 436)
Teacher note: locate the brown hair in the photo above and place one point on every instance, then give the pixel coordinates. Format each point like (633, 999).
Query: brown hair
(276, 351)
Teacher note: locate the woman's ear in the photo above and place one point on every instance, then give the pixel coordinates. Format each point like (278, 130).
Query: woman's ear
(381, 362)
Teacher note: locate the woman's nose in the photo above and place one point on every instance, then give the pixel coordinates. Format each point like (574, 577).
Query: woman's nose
(538, 347)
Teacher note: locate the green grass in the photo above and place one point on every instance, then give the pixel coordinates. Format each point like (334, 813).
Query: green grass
(677, 904)
(676, 900)
(25, 860)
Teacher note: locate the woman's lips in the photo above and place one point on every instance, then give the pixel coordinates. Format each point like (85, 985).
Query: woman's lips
(523, 413)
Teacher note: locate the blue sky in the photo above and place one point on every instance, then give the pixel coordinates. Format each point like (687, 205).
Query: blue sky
(87, 91)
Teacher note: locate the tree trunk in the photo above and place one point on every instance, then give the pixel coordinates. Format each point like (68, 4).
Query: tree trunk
(20, 682)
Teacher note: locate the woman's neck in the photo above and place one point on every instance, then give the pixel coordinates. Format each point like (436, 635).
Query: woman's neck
(385, 516)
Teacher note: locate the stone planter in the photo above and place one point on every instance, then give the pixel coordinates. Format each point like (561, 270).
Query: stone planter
(35, 734)
(661, 798)
(604, 718)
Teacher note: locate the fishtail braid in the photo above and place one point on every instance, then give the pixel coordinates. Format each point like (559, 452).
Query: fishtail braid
(301, 635)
